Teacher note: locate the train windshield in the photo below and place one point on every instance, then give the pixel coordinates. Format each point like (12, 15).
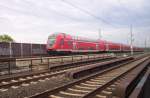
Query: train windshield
(51, 40)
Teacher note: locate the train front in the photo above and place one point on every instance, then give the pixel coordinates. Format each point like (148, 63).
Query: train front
(51, 44)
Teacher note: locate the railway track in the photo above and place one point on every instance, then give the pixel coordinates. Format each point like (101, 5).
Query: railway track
(14, 82)
(98, 85)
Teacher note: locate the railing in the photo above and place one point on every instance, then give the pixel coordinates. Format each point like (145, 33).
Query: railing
(14, 65)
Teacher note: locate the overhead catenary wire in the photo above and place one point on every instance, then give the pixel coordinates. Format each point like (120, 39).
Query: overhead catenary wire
(124, 7)
(93, 15)
(127, 11)
(89, 13)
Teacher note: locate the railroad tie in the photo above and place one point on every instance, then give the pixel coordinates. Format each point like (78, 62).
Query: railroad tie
(90, 85)
(83, 87)
(32, 82)
(42, 75)
(100, 81)
(4, 82)
(29, 77)
(110, 76)
(101, 96)
(25, 84)
(71, 94)
(14, 87)
(22, 79)
(77, 90)
(54, 96)
(105, 76)
(102, 78)
(3, 90)
(107, 93)
(47, 79)
(95, 80)
(117, 82)
(41, 80)
(92, 82)
(35, 76)
(47, 74)
(113, 85)
(14, 81)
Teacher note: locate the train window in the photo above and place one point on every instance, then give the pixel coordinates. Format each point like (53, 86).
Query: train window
(62, 42)
(74, 45)
(51, 40)
(70, 43)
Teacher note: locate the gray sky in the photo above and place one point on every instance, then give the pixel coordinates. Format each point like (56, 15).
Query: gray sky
(33, 20)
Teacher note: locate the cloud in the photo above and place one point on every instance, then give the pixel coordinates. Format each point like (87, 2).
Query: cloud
(27, 20)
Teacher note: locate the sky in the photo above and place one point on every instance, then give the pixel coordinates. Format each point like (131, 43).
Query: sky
(32, 21)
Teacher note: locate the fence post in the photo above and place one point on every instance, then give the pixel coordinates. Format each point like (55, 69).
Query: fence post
(81, 57)
(21, 45)
(88, 56)
(62, 60)
(31, 49)
(40, 50)
(41, 53)
(48, 63)
(31, 65)
(10, 49)
(72, 58)
(41, 59)
(9, 67)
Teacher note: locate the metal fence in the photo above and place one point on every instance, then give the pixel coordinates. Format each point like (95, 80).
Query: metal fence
(12, 65)
(21, 49)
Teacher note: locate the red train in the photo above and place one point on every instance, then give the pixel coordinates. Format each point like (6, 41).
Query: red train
(61, 42)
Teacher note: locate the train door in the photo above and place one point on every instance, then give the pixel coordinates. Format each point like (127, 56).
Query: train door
(107, 46)
(97, 46)
(74, 45)
(70, 44)
(62, 43)
(102, 46)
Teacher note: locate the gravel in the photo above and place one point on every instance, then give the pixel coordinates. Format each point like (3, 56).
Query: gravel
(25, 90)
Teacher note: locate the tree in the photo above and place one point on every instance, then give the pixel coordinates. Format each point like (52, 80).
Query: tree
(6, 38)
